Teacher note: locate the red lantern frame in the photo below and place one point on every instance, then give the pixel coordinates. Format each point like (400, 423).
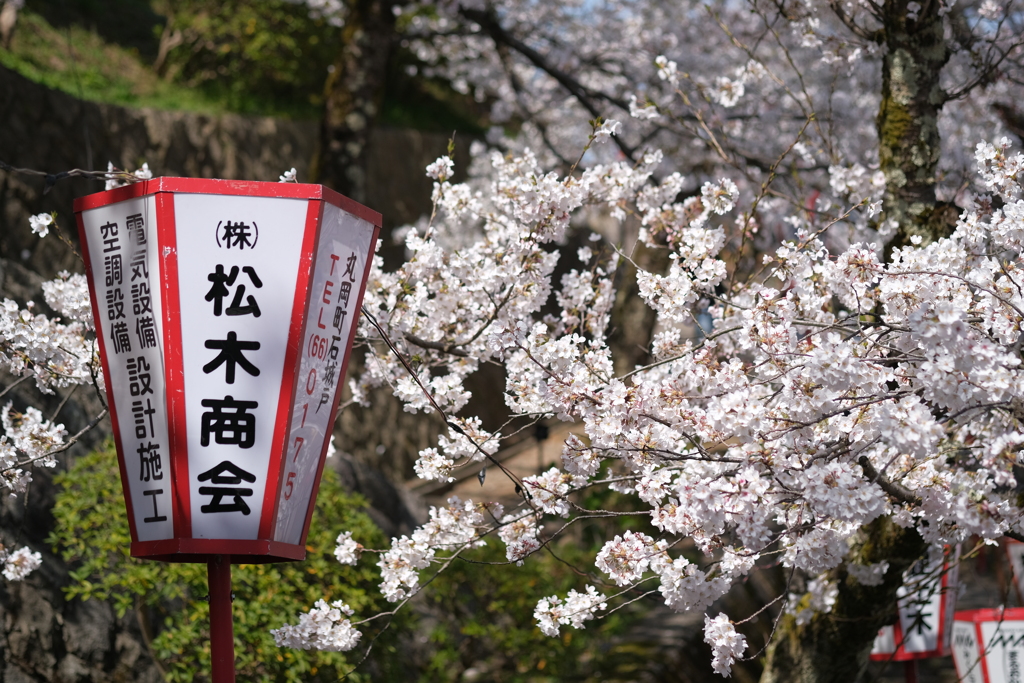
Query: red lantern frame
(183, 547)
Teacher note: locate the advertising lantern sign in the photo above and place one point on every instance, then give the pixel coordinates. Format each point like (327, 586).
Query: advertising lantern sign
(925, 605)
(988, 645)
(225, 312)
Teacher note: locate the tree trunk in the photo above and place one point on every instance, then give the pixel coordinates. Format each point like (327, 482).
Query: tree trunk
(908, 131)
(354, 92)
(834, 647)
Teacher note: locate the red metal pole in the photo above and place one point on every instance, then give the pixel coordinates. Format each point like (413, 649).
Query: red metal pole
(910, 671)
(222, 636)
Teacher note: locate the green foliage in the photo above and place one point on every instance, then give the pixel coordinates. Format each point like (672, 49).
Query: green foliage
(269, 57)
(91, 532)
(123, 22)
(477, 615)
(78, 61)
(483, 626)
(266, 57)
(414, 101)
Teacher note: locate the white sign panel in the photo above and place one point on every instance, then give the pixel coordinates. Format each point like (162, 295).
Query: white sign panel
(122, 245)
(1015, 551)
(885, 641)
(966, 652)
(225, 331)
(925, 604)
(342, 249)
(988, 646)
(920, 606)
(1004, 650)
(238, 259)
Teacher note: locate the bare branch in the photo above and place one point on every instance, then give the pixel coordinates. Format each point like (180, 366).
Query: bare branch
(52, 178)
(488, 22)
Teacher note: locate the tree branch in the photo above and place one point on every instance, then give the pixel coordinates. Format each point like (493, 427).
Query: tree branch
(488, 22)
(436, 346)
(52, 178)
(897, 491)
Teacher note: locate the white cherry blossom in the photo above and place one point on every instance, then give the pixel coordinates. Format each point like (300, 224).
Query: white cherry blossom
(19, 563)
(726, 644)
(41, 223)
(325, 627)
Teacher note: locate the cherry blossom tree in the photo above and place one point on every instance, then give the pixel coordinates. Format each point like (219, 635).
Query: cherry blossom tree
(827, 219)
(816, 207)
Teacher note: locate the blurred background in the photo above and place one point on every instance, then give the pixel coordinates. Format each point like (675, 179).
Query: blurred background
(248, 90)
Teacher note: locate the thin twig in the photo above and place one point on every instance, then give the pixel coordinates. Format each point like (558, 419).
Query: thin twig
(520, 486)
(51, 179)
(60, 449)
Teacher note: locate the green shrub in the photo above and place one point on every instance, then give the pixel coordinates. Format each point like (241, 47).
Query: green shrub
(91, 533)
(263, 57)
(483, 627)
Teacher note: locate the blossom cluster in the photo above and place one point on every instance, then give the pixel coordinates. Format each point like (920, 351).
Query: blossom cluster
(726, 644)
(450, 529)
(28, 439)
(778, 407)
(19, 563)
(115, 177)
(347, 548)
(574, 610)
(322, 628)
(56, 352)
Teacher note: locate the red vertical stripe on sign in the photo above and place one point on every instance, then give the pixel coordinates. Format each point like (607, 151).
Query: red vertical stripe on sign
(293, 355)
(341, 375)
(173, 364)
(981, 650)
(111, 406)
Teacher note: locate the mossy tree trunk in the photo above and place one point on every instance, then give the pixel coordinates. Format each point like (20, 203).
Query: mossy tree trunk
(908, 130)
(834, 647)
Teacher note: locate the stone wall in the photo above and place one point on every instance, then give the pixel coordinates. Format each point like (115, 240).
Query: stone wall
(48, 130)
(51, 131)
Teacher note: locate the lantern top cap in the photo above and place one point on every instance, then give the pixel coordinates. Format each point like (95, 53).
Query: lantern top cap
(991, 614)
(250, 188)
